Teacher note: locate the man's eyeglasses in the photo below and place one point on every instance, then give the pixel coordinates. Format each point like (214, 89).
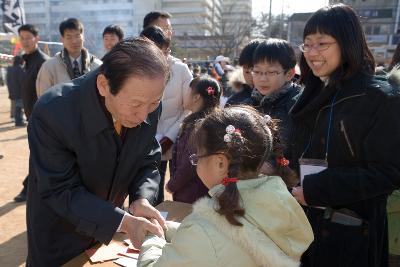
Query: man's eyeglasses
(194, 158)
(306, 48)
(167, 29)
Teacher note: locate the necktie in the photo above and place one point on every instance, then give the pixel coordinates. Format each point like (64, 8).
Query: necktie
(77, 72)
(117, 127)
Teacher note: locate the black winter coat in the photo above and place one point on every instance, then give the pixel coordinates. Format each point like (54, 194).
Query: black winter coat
(80, 171)
(15, 78)
(278, 105)
(241, 97)
(33, 63)
(363, 168)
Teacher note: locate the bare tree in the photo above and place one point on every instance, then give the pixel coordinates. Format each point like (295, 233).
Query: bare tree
(227, 36)
(278, 27)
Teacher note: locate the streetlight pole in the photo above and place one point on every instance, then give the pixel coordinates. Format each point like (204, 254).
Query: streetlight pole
(270, 19)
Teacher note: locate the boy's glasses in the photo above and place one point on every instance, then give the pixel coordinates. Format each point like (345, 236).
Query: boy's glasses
(269, 74)
(306, 48)
(194, 158)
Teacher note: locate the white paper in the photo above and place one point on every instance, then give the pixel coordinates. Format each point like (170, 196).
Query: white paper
(127, 262)
(309, 169)
(164, 214)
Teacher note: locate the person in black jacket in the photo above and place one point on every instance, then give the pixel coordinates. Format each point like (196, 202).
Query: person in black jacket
(33, 58)
(246, 62)
(346, 135)
(15, 77)
(274, 94)
(92, 144)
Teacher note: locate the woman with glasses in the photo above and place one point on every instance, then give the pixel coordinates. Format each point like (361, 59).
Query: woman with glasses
(347, 142)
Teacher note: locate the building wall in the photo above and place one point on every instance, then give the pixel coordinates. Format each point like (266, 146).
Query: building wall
(95, 15)
(380, 21)
(194, 17)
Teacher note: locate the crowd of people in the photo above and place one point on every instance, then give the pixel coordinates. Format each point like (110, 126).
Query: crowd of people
(283, 168)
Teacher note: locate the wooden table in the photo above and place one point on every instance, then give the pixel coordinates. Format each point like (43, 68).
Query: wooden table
(177, 211)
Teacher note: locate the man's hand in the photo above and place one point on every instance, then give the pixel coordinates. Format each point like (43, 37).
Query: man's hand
(142, 208)
(137, 228)
(165, 144)
(298, 194)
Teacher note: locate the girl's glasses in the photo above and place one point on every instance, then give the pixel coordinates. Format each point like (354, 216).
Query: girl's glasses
(194, 158)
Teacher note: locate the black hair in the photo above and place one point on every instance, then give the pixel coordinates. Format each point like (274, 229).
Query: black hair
(396, 57)
(29, 28)
(70, 24)
(275, 50)
(114, 29)
(156, 34)
(246, 55)
(342, 23)
(247, 150)
(153, 16)
(133, 57)
(201, 85)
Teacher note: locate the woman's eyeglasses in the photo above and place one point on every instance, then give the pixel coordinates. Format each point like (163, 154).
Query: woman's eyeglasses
(306, 48)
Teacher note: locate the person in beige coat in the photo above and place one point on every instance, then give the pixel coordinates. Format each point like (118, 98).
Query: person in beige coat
(72, 62)
(250, 220)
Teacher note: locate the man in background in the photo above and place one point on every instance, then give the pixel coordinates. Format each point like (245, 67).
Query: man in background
(71, 63)
(33, 58)
(112, 34)
(172, 104)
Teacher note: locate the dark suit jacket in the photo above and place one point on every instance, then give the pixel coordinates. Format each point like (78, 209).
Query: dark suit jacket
(81, 173)
(33, 63)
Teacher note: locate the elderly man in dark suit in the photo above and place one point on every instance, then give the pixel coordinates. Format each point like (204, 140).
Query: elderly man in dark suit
(92, 144)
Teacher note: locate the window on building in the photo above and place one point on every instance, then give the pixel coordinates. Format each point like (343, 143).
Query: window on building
(377, 30)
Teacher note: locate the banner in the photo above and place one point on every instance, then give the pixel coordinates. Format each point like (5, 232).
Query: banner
(13, 15)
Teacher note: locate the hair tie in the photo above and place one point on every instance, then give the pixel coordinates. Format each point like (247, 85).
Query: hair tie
(230, 131)
(282, 161)
(266, 119)
(210, 91)
(227, 181)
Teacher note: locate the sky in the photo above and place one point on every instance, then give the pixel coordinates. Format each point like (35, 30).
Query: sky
(290, 6)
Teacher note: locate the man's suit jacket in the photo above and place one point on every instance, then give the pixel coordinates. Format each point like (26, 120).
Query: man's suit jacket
(81, 173)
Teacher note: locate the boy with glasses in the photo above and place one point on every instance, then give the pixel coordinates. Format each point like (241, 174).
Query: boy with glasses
(274, 93)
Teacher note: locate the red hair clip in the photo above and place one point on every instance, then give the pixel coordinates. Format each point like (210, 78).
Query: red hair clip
(227, 181)
(282, 161)
(210, 91)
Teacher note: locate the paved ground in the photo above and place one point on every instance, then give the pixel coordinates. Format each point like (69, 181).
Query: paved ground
(13, 169)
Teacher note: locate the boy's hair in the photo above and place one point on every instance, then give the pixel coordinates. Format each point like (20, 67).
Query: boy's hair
(201, 85)
(153, 16)
(114, 29)
(275, 50)
(156, 34)
(70, 24)
(246, 55)
(247, 150)
(29, 28)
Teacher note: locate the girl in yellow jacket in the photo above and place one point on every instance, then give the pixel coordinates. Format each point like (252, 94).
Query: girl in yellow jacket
(250, 220)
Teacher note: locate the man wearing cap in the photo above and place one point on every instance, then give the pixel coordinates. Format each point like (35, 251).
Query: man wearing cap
(220, 63)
